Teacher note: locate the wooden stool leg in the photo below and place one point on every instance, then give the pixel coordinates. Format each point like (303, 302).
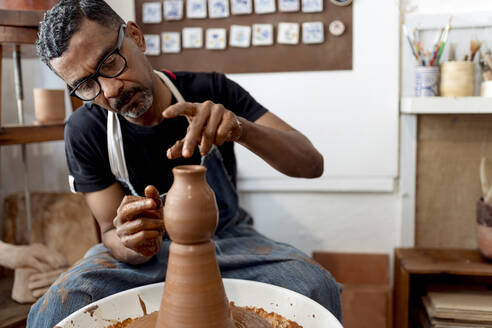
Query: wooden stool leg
(401, 295)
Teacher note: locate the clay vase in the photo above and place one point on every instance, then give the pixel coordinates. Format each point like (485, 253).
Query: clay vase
(194, 295)
(49, 105)
(27, 4)
(484, 229)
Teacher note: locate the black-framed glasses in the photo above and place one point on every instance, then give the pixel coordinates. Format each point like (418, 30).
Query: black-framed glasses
(112, 65)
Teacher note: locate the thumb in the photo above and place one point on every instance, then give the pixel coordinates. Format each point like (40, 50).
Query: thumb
(152, 192)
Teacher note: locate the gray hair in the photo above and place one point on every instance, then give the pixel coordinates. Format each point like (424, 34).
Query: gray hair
(63, 20)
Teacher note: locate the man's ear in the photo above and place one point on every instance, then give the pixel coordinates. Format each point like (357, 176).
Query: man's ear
(135, 33)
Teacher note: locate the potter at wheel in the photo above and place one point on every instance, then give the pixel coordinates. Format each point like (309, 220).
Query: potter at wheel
(136, 124)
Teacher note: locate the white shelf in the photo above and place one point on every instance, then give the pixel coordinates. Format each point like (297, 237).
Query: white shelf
(446, 105)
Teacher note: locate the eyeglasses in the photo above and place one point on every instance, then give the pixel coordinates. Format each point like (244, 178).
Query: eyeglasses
(110, 67)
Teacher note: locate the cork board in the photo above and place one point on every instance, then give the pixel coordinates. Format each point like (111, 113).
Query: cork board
(448, 184)
(335, 53)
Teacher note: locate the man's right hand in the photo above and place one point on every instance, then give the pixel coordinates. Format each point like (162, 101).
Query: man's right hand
(139, 222)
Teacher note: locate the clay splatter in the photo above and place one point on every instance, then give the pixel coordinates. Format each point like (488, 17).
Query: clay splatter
(91, 310)
(142, 305)
(262, 250)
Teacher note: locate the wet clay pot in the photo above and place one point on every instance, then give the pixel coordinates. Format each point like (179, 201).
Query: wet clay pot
(484, 229)
(194, 295)
(27, 4)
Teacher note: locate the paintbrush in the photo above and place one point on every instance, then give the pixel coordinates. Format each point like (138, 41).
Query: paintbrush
(488, 59)
(410, 42)
(443, 40)
(474, 47)
(452, 52)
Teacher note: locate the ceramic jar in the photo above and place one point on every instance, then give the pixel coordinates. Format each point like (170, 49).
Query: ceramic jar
(194, 295)
(484, 229)
(49, 105)
(190, 214)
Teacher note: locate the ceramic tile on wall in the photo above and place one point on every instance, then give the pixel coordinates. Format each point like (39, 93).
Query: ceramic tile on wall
(171, 42)
(173, 9)
(196, 8)
(152, 12)
(240, 36)
(262, 34)
(216, 38)
(153, 44)
(241, 7)
(192, 37)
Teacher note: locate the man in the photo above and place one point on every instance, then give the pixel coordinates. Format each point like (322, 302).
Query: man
(121, 145)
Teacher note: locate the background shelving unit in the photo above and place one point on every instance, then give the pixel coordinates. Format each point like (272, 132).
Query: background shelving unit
(446, 105)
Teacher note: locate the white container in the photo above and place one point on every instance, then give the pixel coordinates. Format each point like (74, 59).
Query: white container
(291, 305)
(427, 81)
(486, 90)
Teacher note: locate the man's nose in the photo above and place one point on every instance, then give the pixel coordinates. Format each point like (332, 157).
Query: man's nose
(110, 87)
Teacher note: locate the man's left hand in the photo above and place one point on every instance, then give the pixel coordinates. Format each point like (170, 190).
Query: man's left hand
(210, 124)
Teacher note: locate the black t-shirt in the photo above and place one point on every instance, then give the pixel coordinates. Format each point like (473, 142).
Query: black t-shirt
(145, 147)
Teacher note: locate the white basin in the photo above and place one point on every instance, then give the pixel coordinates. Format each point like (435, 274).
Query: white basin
(126, 304)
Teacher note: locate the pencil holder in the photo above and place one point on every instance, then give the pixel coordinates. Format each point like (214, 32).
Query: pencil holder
(427, 81)
(457, 79)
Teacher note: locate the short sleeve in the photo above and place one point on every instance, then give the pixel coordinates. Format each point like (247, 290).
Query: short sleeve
(236, 99)
(86, 152)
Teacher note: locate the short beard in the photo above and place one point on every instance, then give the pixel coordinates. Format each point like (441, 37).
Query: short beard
(136, 109)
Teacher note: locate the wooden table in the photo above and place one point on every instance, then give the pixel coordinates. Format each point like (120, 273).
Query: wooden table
(418, 270)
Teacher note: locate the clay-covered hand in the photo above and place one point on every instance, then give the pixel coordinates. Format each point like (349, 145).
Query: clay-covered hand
(139, 222)
(36, 256)
(210, 124)
(39, 283)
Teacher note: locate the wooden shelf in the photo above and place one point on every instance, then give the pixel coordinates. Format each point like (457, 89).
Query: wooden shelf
(23, 18)
(23, 134)
(449, 261)
(446, 105)
(417, 269)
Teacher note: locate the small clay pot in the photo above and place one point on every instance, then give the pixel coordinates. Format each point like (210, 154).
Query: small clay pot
(27, 4)
(49, 105)
(190, 214)
(484, 229)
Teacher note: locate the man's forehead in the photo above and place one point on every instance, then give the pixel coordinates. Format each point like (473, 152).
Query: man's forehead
(84, 49)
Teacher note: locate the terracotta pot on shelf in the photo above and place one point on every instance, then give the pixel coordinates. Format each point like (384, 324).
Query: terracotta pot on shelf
(484, 229)
(27, 4)
(194, 294)
(49, 105)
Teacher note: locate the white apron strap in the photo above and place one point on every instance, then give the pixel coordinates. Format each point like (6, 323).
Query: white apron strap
(170, 85)
(116, 152)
